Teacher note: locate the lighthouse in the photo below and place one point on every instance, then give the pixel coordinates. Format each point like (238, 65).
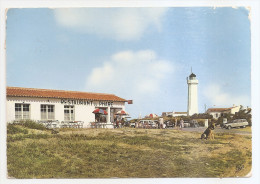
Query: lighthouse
(192, 94)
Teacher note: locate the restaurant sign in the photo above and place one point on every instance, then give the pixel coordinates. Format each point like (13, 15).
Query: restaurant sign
(86, 102)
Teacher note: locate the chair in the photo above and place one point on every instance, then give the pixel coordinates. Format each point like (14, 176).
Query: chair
(93, 125)
(80, 124)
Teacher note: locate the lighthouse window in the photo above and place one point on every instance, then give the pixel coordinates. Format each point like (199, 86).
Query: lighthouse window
(47, 112)
(22, 111)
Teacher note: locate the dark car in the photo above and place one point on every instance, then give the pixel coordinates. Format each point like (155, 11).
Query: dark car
(169, 124)
(127, 124)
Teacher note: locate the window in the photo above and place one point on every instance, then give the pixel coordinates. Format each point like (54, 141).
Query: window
(22, 111)
(69, 113)
(47, 112)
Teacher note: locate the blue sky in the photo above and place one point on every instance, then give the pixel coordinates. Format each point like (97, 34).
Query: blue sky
(144, 54)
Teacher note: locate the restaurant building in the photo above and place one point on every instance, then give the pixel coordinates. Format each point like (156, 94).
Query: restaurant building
(59, 105)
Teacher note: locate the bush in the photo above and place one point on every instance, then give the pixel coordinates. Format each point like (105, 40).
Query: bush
(202, 116)
(21, 137)
(30, 124)
(242, 114)
(11, 129)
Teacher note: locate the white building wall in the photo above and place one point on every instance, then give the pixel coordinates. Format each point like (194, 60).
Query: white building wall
(10, 113)
(235, 109)
(176, 115)
(173, 114)
(215, 115)
(83, 112)
(59, 111)
(192, 97)
(35, 110)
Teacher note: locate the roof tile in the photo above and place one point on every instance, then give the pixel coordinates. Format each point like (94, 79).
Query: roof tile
(218, 109)
(49, 93)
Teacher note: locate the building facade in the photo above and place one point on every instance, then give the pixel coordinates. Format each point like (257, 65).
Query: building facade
(47, 105)
(173, 114)
(219, 112)
(192, 94)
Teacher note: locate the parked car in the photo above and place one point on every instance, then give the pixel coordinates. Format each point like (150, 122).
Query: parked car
(194, 124)
(186, 124)
(242, 123)
(169, 124)
(127, 124)
(132, 124)
(144, 123)
(153, 124)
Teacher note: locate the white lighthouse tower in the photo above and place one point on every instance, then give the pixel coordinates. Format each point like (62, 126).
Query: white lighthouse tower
(192, 94)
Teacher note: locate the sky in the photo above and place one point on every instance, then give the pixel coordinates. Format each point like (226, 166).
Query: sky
(140, 54)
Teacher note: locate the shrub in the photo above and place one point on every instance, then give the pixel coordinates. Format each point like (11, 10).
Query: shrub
(21, 137)
(53, 131)
(30, 124)
(11, 129)
(202, 116)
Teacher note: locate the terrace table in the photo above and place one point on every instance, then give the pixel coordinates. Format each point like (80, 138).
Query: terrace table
(98, 125)
(64, 124)
(75, 124)
(49, 123)
(103, 125)
(93, 125)
(80, 124)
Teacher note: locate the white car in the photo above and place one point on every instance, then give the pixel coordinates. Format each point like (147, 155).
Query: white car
(236, 123)
(153, 124)
(148, 123)
(132, 125)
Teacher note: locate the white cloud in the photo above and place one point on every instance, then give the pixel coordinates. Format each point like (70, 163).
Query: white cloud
(218, 97)
(116, 23)
(130, 74)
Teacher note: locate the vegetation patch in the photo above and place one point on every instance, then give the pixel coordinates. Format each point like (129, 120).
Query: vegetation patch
(30, 124)
(12, 129)
(101, 153)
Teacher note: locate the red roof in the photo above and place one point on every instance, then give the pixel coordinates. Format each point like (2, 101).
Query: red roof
(49, 93)
(218, 109)
(180, 112)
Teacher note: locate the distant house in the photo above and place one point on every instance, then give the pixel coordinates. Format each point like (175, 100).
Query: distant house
(174, 114)
(166, 114)
(218, 112)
